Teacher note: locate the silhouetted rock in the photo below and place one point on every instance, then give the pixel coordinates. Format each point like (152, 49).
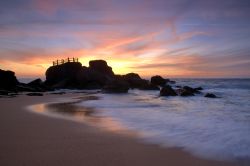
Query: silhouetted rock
(63, 76)
(210, 95)
(186, 91)
(101, 66)
(135, 81)
(8, 80)
(38, 86)
(116, 86)
(25, 88)
(190, 90)
(36, 83)
(34, 94)
(96, 77)
(167, 91)
(158, 80)
(131, 77)
(75, 76)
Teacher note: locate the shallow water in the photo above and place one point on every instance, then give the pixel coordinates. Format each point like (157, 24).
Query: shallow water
(210, 128)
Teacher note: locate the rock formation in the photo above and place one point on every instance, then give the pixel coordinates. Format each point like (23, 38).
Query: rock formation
(167, 91)
(158, 80)
(8, 80)
(74, 75)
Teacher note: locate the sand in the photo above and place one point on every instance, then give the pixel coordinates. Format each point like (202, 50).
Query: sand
(30, 139)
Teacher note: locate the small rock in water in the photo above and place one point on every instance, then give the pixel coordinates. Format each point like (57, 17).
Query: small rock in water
(34, 94)
(210, 95)
(184, 92)
(167, 91)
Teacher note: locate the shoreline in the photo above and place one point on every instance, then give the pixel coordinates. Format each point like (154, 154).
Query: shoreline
(32, 139)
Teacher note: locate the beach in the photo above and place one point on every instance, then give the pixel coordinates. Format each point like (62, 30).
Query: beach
(27, 138)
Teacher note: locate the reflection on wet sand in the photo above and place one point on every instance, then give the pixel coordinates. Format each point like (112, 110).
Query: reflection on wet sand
(89, 116)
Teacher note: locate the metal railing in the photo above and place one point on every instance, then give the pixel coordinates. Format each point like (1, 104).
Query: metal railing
(62, 61)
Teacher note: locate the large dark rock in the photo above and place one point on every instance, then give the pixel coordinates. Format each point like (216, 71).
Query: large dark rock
(38, 86)
(75, 76)
(158, 80)
(36, 83)
(8, 80)
(25, 88)
(101, 66)
(186, 91)
(191, 90)
(116, 86)
(63, 73)
(167, 91)
(135, 81)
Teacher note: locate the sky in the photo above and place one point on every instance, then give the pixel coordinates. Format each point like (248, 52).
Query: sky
(172, 38)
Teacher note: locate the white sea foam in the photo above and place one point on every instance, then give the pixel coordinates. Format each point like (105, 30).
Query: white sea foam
(211, 128)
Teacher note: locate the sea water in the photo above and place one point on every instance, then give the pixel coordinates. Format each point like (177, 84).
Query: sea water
(210, 128)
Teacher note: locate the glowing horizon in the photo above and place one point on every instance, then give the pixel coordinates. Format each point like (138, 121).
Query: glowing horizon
(178, 38)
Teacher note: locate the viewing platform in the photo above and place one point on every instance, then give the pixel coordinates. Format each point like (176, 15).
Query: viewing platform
(62, 61)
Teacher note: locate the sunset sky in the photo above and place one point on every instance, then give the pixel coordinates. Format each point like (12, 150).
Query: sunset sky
(173, 38)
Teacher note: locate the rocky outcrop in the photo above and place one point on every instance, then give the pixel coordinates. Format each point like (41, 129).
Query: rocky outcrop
(74, 75)
(134, 80)
(187, 91)
(98, 75)
(101, 66)
(158, 80)
(63, 76)
(37, 85)
(167, 91)
(184, 92)
(8, 80)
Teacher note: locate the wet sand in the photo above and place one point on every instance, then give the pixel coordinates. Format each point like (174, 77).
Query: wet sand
(28, 139)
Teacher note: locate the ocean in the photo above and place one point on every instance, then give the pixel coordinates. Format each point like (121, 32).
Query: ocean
(210, 128)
